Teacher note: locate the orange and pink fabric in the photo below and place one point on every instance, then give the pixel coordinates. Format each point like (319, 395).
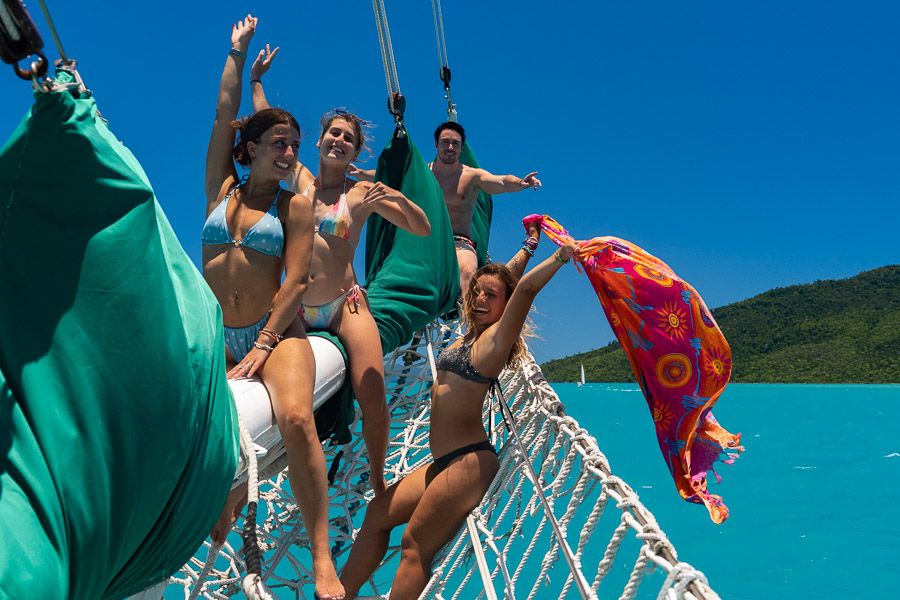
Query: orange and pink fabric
(679, 356)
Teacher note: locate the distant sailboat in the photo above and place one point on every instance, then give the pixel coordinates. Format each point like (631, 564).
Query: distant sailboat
(581, 383)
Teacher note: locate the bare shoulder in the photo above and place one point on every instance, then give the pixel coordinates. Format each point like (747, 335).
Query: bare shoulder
(472, 179)
(359, 189)
(226, 187)
(213, 201)
(298, 206)
(298, 200)
(468, 171)
(475, 174)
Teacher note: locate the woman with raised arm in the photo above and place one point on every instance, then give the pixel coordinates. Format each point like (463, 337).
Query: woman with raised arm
(334, 301)
(255, 232)
(435, 498)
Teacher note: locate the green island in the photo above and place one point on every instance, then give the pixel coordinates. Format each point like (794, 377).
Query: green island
(831, 331)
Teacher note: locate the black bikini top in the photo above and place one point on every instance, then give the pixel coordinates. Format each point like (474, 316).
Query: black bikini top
(458, 360)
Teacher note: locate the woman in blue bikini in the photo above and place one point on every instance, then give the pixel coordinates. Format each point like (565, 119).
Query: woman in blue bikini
(255, 231)
(334, 300)
(435, 498)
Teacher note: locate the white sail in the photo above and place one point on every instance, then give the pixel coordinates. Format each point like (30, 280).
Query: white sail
(580, 383)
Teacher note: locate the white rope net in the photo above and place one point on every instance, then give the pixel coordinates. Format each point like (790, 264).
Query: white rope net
(516, 553)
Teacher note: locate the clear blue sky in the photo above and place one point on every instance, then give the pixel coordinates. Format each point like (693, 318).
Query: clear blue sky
(749, 145)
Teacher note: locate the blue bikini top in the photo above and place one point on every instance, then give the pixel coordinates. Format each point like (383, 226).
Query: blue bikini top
(266, 235)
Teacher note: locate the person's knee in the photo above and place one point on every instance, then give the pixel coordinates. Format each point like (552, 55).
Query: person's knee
(299, 421)
(376, 514)
(409, 546)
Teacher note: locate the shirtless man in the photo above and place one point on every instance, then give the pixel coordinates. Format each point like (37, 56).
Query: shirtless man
(461, 184)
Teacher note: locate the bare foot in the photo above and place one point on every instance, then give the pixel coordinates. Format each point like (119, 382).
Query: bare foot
(237, 498)
(328, 586)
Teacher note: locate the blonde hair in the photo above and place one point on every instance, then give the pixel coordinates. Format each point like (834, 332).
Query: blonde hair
(509, 282)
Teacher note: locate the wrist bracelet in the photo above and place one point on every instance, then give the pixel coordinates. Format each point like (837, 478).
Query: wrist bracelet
(559, 258)
(237, 53)
(265, 347)
(531, 242)
(528, 250)
(271, 334)
(252, 81)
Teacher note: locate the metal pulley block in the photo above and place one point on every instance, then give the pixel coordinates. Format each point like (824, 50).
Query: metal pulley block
(19, 39)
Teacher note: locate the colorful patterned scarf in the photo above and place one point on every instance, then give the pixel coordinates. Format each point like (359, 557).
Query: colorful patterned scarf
(679, 356)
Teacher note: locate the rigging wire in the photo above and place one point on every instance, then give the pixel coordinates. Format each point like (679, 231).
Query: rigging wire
(443, 61)
(396, 101)
(439, 34)
(53, 32)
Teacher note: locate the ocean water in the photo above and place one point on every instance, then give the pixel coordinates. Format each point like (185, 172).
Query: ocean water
(814, 499)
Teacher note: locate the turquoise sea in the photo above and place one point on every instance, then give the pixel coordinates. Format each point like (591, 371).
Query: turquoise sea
(814, 499)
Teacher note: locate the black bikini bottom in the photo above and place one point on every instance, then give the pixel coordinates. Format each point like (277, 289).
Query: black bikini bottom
(443, 462)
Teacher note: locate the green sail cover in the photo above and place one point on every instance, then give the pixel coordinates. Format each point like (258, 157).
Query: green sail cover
(118, 437)
(483, 213)
(335, 416)
(410, 279)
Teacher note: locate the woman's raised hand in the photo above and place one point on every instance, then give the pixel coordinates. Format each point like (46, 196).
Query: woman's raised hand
(380, 192)
(568, 250)
(242, 32)
(262, 63)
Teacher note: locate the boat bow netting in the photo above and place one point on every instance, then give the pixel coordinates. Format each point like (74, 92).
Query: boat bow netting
(508, 547)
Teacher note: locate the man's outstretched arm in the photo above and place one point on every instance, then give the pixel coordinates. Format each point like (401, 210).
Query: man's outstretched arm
(501, 184)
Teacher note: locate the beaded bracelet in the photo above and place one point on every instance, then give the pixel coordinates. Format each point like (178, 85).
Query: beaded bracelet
(531, 242)
(237, 53)
(528, 250)
(265, 347)
(271, 334)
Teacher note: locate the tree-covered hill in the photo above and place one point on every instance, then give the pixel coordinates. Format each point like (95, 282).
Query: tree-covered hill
(835, 331)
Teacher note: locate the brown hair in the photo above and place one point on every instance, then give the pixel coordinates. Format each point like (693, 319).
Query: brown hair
(360, 126)
(251, 129)
(509, 281)
(452, 126)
